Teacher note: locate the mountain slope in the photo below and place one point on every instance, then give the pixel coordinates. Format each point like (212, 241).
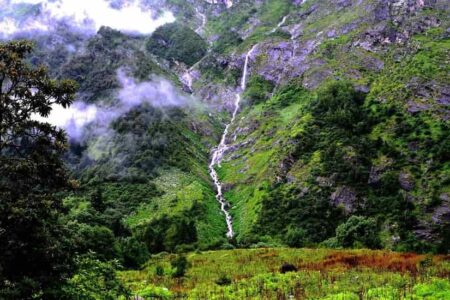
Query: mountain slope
(397, 55)
(290, 176)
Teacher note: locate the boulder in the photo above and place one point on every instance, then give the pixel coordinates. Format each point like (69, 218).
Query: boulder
(346, 197)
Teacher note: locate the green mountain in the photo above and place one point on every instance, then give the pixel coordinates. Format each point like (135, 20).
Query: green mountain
(247, 124)
(344, 117)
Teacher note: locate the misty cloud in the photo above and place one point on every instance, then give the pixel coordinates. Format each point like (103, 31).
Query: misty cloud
(157, 92)
(42, 15)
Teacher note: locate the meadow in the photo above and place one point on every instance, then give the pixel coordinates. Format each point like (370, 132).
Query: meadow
(321, 274)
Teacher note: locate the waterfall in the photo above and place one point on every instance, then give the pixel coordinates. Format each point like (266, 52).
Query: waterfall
(200, 29)
(228, 3)
(187, 79)
(219, 151)
(279, 24)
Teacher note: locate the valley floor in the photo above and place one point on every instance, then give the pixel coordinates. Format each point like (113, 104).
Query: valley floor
(322, 274)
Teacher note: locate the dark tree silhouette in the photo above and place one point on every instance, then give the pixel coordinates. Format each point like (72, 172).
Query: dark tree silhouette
(33, 255)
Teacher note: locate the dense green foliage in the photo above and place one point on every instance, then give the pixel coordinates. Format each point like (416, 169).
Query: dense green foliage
(332, 167)
(94, 280)
(358, 231)
(34, 247)
(95, 69)
(342, 141)
(258, 90)
(176, 42)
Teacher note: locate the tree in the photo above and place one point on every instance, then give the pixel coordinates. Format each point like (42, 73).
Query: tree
(339, 105)
(97, 200)
(33, 254)
(94, 279)
(258, 90)
(296, 237)
(358, 231)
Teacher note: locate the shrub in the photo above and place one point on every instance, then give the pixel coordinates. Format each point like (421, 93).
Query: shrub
(227, 40)
(286, 267)
(358, 231)
(295, 237)
(159, 271)
(339, 104)
(181, 265)
(223, 280)
(94, 279)
(134, 252)
(258, 90)
(154, 292)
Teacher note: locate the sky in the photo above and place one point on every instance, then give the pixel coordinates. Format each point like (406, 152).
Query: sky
(130, 16)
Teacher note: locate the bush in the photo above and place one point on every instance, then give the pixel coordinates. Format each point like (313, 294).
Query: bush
(154, 292)
(94, 279)
(258, 90)
(295, 237)
(223, 280)
(134, 252)
(227, 40)
(159, 271)
(358, 231)
(181, 265)
(339, 104)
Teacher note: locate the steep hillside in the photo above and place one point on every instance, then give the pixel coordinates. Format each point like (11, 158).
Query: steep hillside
(205, 125)
(291, 175)
(147, 167)
(344, 122)
(345, 115)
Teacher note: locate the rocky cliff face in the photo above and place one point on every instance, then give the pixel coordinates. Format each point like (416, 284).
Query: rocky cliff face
(396, 52)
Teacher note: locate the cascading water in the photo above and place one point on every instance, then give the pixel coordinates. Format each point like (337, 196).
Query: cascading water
(222, 147)
(279, 24)
(187, 79)
(200, 29)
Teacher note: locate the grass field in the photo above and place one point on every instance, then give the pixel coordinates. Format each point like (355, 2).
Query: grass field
(322, 274)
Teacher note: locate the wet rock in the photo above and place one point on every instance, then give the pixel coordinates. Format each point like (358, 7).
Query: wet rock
(324, 181)
(297, 2)
(375, 175)
(316, 77)
(425, 233)
(441, 214)
(415, 107)
(444, 197)
(444, 99)
(406, 181)
(284, 167)
(344, 196)
(227, 187)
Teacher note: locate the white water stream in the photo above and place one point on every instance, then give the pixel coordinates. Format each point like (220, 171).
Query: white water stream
(279, 24)
(228, 3)
(200, 29)
(219, 151)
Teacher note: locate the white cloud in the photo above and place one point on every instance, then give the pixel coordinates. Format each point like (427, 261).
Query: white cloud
(131, 17)
(157, 92)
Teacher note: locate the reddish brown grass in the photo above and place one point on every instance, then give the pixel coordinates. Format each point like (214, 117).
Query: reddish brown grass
(380, 261)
